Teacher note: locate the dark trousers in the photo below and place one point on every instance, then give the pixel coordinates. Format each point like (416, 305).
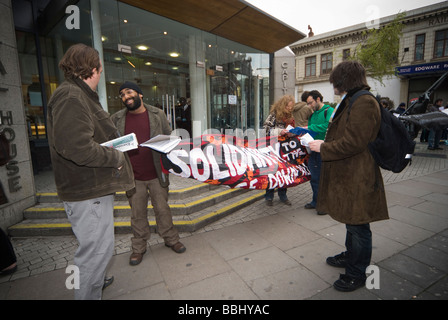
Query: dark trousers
(314, 165)
(358, 242)
(7, 255)
(434, 138)
(281, 194)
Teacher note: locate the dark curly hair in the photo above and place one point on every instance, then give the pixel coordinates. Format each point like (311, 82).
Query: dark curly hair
(79, 61)
(348, 75)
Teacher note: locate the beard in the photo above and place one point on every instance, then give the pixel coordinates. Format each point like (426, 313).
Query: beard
(137, 102)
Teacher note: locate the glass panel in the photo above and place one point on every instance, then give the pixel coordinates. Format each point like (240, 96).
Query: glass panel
(155, 56)
(419, 47)
(234, 72)
(31, 89)
(310, 66)
(441, 44)
(52, 47)
(327, 63)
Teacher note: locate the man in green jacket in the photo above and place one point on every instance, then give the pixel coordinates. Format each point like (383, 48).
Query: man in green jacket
(146, 122)
(86, 174)
(318, 123)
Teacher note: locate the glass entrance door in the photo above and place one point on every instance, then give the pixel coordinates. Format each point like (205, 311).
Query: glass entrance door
(231, 97)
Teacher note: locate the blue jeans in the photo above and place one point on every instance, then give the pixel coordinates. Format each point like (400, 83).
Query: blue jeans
(314, 164)
(434, 138)
(358, 242)
(281, 194)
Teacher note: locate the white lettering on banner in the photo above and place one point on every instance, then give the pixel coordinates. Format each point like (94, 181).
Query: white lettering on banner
(204, 164)
(241, 165)
(196, 154)
(173, 156)
(215, 167)
(280, 178)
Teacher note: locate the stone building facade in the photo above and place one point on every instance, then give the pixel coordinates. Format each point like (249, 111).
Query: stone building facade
(423, 56)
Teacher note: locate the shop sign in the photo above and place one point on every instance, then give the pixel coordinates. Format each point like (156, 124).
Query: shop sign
(423, 68)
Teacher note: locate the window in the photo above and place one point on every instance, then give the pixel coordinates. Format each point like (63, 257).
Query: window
(326, 63)
(419, 47)
(310, 66)
(441, 44)
(345, 54)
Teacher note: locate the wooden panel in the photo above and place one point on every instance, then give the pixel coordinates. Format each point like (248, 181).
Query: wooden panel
(201, 14)
(231, 19)
(255, 29)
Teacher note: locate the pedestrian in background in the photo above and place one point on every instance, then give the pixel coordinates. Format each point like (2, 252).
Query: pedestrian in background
(351, 187)
(302, 111)
(86, 174)
(435, 134)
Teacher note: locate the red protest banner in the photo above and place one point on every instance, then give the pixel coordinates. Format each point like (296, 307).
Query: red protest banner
(266, 163)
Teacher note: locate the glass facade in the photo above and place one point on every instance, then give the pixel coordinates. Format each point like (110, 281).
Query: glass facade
(194, 76)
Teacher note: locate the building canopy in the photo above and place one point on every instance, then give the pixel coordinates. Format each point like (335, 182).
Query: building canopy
(232, 19)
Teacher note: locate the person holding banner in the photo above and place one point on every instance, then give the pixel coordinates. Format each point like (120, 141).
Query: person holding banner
(351, 187)
(317, 123)
(146, 122)
(279, 119)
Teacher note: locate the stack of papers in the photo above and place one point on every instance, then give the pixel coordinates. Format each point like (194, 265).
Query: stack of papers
(124, 143)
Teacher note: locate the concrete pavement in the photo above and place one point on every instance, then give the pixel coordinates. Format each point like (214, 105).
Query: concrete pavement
(270, 253)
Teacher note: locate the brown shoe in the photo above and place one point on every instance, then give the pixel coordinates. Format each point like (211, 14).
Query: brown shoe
(177, 247)
(136, 258)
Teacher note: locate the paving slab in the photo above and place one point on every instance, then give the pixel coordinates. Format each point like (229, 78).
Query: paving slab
(412, 270)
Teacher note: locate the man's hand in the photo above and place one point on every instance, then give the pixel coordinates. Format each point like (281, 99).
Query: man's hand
(315, 145)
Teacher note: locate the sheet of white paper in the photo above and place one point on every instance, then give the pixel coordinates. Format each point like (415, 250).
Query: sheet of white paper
(162, 143)
(305, 139)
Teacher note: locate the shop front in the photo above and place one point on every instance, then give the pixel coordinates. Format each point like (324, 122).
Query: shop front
(420, 77)
(201, 80)
(207, 64)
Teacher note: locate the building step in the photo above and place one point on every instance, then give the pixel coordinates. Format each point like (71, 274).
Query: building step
(52, 223)
(185, 206)
(174, 194)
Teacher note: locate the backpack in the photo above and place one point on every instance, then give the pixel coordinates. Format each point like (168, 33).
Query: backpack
(393, 146)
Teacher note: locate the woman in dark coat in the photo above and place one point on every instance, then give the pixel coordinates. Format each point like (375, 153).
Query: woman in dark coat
(351, 186)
